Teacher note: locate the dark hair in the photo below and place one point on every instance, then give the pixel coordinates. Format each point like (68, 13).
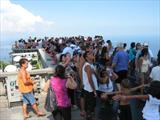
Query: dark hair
(158, 61)
(22, 61)
(60, 71)
(102, 72)
(108, 41)
(154, 89)
(144, 52)
(158, 55)
(61, 56)
(126, 83)
(133, 44)
(124, 45)
(104, 51)
(75, 53)
(137, 44)
(85, 55)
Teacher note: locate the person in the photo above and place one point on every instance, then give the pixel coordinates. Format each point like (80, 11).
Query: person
(144, 65)
(25, 85)
(154, 75)
(120, 64)
(16, 45)
(90, 85)
(82, 103)
(104, 58)
(125, 109)
(158, 55)
(110, 47)
(106, 84)
(138, 53)
(67, 63)
(58, 84)
(150, 53)
(151, 108)
(125, 47)
(132, 54)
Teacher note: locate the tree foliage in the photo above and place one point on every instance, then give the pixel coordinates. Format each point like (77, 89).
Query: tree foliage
(3, 64)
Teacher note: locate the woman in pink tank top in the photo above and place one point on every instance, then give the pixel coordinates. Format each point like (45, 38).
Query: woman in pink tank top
(58, 83)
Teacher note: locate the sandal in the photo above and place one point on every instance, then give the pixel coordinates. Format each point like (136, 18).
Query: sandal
(26, 117)
(41, 114)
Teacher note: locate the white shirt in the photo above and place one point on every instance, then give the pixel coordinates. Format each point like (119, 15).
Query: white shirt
(105, 87)
(151, 109)
(86, 84)
(155, 73)
(150, 53)
(145, 66)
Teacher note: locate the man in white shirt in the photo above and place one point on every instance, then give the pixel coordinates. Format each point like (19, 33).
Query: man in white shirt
(89, 85)
(155, 73)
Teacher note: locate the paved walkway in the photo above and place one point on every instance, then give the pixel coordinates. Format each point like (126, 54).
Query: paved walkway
(15, 113)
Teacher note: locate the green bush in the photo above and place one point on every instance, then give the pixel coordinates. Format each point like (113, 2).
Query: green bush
(34, 62)
(3, 64)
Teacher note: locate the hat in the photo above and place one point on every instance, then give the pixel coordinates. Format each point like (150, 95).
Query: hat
(145, 44)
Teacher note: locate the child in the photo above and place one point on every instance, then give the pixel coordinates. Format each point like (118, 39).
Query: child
(125, 110)
(106, 84)
(151, 108)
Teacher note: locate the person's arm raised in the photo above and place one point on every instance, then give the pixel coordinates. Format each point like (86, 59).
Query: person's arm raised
(130, 97)
(138, 87)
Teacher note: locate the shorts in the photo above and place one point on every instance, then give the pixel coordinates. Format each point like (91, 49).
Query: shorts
(125, 112)
(90, 101)
(121, 75)
(82, 93)
(145, 77)
(28, 98)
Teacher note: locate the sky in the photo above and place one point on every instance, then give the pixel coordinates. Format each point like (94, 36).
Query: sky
(86, 17)
(118, 18)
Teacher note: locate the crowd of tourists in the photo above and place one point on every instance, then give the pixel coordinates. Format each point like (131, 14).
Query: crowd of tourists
(102, 73)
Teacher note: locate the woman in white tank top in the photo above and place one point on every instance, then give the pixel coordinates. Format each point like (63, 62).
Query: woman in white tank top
(144, 67)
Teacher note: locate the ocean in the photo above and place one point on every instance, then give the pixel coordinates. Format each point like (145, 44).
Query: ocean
(154, 44)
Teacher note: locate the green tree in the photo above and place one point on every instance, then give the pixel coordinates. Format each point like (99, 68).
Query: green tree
(3, 64)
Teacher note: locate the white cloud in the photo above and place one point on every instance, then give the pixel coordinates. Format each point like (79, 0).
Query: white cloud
(15, 18)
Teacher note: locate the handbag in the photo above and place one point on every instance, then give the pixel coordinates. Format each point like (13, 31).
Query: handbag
(71, 84)
(50, 102)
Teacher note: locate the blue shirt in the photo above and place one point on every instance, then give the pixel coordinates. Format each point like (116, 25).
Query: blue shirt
(121, 60)
(132, 54)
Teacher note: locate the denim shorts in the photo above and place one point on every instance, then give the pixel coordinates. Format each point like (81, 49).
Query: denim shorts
(28, 98)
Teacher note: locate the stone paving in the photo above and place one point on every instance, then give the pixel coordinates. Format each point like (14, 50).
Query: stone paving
(15, 111)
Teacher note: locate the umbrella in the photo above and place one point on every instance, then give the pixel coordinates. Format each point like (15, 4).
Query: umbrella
(17, 58)
(28, 58)
(10, 68)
